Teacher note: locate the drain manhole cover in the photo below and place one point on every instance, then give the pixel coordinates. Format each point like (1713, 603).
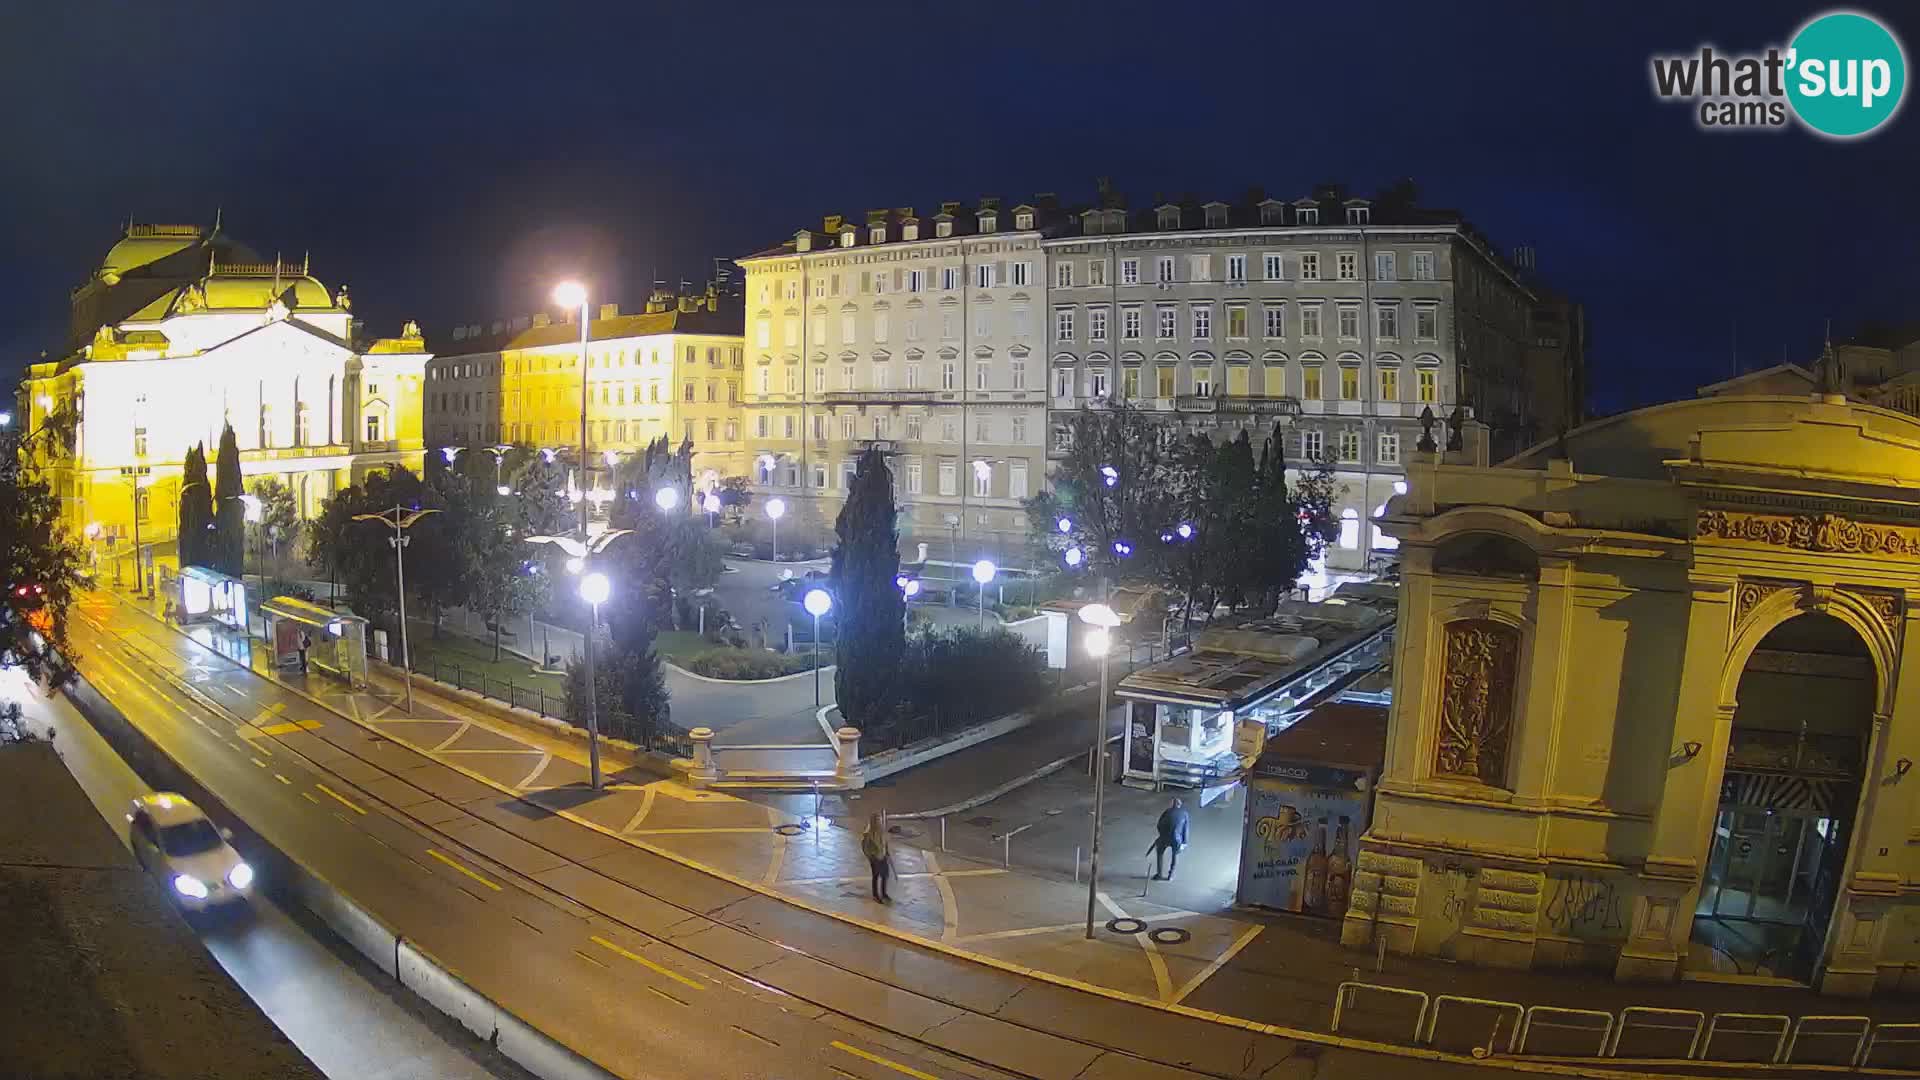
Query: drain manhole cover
(979, 822)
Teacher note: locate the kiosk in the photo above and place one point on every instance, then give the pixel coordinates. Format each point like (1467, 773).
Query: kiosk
(1309, 797)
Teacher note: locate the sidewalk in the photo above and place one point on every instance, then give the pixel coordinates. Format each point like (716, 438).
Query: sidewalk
(1210, 962)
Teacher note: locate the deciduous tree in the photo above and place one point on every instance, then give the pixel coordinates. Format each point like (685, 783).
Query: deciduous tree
(39, 569)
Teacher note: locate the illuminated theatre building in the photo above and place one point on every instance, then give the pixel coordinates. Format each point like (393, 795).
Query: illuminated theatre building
(180, 331)
(1652, 707)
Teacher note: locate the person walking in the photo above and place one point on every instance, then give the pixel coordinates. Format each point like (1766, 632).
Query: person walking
(1171, 837)
(873, 844)
(306, 642)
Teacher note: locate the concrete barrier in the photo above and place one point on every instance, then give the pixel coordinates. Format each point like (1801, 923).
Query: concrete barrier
(442, 989)
(541, 1056)
(888, 762)
(369, 936)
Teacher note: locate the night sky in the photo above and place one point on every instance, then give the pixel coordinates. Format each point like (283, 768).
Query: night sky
(450, 161)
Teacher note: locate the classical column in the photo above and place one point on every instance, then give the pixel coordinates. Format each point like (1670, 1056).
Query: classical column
(1537, 715)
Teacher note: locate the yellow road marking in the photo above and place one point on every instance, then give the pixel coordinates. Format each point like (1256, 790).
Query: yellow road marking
(878, 1060)
(282, 779)
(258, 762)
(463, 870)
(308, 795)
(648, 964)
(292, 726)
(1219, 962)
(341, 799)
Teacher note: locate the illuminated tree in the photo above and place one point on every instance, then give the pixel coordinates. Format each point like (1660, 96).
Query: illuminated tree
(228, 552)
(35, 556)
(194, 534)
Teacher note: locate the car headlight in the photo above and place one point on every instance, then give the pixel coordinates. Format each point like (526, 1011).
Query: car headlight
(188, 885)
(240, 876)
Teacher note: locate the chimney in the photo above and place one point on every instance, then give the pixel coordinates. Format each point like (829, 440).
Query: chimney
(831, 223)
(1047, 200)
(609, 311)
(541, 318)
(989, 202)
(459, 333)
(949, 207)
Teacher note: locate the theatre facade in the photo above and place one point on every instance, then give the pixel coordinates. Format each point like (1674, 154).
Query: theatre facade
(1651, 710)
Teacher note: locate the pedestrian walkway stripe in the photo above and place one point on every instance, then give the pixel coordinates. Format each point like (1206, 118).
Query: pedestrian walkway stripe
(648, 964)
(341, 799)
(463, 870)
(878, 1060)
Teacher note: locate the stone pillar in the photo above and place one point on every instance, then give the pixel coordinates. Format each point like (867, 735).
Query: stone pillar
(847, 768)
(704, 772)
(1536, 738)
(1696, 760)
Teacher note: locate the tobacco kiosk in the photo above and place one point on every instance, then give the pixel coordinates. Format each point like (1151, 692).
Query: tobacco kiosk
(1309, 798)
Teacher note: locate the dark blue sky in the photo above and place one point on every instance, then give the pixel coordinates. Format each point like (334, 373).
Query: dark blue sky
(448, 161)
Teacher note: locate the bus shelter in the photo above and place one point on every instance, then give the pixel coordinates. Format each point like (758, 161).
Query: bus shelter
(203, 595)
(337, 641)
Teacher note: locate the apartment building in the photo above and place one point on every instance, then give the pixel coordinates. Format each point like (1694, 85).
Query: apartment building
(675, 369)
(921, 334)
(1336, 320)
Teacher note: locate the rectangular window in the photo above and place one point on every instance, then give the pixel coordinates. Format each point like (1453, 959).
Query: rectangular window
(1017, 373)
(1203, 323)
(1130, 324)
(1097, 387)
(1389, 384)
(1163, 268)
(949, 429)
(1063, 382)
(762, 334)
(373, 427)
(880, 326)
(1167, 325)
(686, 431)
(819, 378)
(948, 380)
(1020, 272)
(847, 377)
(915, 424)
(1202, 267)
(982, 429)
(1018, 434)
(1349, 445)
(1017, 480)
(1388, 450)
(1349, 383)
(1096, 324)
(916, 280)
(1310, 321)
(1237, 379)
(949, 326)
(913, 375)
(1237, 269)
(733, 430)
(1062, 438)
(983, 324)
(1426, 323)
(1349, 322)
(1310, 387)
(983, 276)
(949, 478)
(713, 430)
(1275, 317)
(1163, 382)
(881, 428)
(1348, 266)
(1272, 266)
(1203, 382)
(819, 427)
(1383, 266)
(1386, 322)
(1097, 272)
(882, 380)
(1429, 385)
(1309, 266)
(820, 477)
(1237, 322)
(1313, 446)
(1063, 324)
(1129, 271)
(846, 427)
(982, 371)
(1423, 266)
(913, 477)
(790, 333)
(786, 425)
(949, 277)
(982, 479)
(759, 427)
(687, 392)
(1063, 275)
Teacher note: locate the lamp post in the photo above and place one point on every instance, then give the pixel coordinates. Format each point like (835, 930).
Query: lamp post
(1099, 643)
(253, 514)
(401, 519)
(573, 294)
(909, 588)
(577, 552)
(983, 572)
(141, 477)
(666, 499)
(499, 457)
(818, 602)
(776, 507)
(711, 504)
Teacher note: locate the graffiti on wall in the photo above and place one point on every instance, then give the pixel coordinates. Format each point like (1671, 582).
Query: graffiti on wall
(1586, 906)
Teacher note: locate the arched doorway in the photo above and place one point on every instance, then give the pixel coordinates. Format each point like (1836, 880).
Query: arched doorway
(1778, 852)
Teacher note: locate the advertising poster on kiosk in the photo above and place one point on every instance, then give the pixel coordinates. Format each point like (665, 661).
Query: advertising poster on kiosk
(1302, 836)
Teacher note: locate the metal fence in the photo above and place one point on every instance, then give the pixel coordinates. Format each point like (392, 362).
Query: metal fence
(538, 699)
(1486, 1028)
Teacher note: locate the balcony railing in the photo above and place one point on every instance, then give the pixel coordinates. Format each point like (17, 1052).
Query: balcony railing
(1253, 404)
(878, 397)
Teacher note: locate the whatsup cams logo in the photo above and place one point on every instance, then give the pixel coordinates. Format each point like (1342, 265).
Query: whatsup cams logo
(1842, 76)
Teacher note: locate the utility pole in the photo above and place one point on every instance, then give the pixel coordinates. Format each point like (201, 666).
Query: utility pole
(401, 519)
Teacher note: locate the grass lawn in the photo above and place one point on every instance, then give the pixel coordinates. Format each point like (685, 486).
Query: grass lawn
(475, 657)
(677, 645)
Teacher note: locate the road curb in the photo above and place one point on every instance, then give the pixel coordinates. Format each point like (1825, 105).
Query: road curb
(664, 662)
(988, 796)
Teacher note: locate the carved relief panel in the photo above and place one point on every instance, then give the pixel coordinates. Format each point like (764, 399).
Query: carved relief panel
(1476, 700)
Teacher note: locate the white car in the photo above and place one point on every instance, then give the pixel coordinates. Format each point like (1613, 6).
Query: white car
(173, 837)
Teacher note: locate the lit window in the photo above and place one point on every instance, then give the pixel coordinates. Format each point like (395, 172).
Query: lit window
(1350, 445)
(1237, 322)
(1429, 381)
(1349, 383)
(1310, 387)
(1389, 384)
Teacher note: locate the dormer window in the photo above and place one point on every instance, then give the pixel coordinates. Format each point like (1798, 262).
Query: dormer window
(943, 228)
(1308, 215)
(989, 222)
(1271, 214)
(846, 238)
(910, 231)
(1023, 220)
(1169, 217)
(1358, 215)
(1216, 217)
(877, 234)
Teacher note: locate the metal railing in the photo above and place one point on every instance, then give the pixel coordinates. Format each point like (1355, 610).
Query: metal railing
(536, 698)
(1508, 1028)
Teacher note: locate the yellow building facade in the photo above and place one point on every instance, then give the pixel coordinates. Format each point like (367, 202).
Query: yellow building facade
(181, 331)
(673, 369)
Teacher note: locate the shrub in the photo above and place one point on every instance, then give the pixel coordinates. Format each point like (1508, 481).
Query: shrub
(961, 675)
(748, 664)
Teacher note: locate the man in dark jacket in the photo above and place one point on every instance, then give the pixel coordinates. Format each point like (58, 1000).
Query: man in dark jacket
(1172, 829)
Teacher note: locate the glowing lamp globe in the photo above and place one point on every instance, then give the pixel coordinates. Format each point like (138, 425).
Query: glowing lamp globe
(570, 294)
(595, 588)
(818, 602)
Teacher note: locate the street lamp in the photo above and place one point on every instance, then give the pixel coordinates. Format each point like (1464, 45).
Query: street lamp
(909, 588)
(6, 419)
(253, 513)
(572, 294)
(983, 572)
(401, 519)
(666, 499)
(591, 586)
(1099, 642)
(817, 602)
(776, 507)
(499, 457)
(1065, 525)
(1073, 556)
(711, 504)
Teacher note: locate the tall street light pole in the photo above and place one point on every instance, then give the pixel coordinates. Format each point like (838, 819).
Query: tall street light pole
(983, 572)
(401, 519)
(574, 294)
(776, 506)
(1099, 643)
(578, 552)
(818, 602)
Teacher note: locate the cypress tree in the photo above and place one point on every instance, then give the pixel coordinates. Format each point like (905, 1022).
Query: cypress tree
(868, 607)
(196, 510)
(229, 552)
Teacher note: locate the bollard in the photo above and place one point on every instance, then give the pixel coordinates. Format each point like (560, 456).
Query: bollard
(943, 832)
(848, 765)
(703, 768)
(1146, 878)
(1076, 864)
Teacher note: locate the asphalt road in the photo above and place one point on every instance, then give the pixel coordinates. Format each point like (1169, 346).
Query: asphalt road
(642, 964)
(342, 1012)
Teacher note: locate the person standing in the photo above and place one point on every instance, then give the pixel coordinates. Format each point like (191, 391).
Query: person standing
(306, 642)
(873, 844)
(1171, 837)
